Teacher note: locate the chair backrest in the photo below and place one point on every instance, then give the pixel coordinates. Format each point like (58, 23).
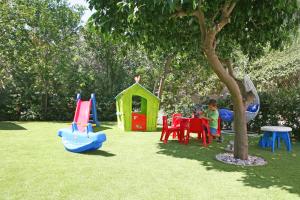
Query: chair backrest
(176, 119)
(195, 125)
(184, 124)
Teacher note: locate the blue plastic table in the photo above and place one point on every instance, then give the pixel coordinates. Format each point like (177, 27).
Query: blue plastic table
(273, 134)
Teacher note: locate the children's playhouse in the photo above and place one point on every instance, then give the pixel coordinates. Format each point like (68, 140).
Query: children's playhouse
(137, 109)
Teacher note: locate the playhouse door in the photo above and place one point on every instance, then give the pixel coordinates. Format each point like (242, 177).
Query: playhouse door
(138, 122)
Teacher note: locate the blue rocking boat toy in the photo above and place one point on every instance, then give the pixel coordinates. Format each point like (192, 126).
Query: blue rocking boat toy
(80, 137)
(76, 141)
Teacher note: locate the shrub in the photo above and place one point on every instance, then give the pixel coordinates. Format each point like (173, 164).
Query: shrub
(280, 107)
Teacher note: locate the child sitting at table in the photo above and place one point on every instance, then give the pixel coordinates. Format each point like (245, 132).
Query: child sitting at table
(212, 115)
(195, 114)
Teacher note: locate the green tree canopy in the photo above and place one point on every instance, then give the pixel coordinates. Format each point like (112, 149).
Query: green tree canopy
(206, 27)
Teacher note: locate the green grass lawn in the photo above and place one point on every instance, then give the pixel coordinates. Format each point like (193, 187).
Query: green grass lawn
(134, 165)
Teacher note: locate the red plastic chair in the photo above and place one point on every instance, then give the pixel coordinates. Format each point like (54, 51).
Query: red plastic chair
(206, 129)
(176, 121)
(195, 126)
(167, 130)
(184, 126)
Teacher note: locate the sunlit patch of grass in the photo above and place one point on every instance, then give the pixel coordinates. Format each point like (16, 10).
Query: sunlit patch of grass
(136, 165)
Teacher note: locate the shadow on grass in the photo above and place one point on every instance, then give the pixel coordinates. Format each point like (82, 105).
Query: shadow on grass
(282, 170)
(10, 126)
(99, 153)
(110, 123)
(101, 128)
(158, 129)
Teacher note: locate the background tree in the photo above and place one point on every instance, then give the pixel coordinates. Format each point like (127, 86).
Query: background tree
(46, 57)
(36, 37)
(213, 28)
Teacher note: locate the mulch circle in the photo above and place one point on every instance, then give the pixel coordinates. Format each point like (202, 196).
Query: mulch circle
(228, 158)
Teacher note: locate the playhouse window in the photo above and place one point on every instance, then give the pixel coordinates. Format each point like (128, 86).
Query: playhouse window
(136, 103)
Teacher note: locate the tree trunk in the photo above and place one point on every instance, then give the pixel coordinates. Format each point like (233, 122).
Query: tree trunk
(161, 85)
(155, 85)
(164, 75)
(240, 125)
(45, 101)
(209, 31)
(46, 105)
(108, 72)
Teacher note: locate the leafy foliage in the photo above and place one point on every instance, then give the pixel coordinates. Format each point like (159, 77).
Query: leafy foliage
(278, 69)
(46, 58)
(281, 107)
(253, 24)
(36, 38)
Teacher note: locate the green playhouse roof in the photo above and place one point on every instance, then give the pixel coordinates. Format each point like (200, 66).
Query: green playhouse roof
(135, 86)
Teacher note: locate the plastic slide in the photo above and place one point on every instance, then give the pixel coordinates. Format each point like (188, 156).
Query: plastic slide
(80, 137)
(82, 114)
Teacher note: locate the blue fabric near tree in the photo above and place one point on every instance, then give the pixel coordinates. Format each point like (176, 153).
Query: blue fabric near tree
(81, 142)
(253, 107)
(226, 115)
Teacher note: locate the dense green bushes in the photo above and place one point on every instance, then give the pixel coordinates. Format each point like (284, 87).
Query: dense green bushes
(46, 57)
(280, 107)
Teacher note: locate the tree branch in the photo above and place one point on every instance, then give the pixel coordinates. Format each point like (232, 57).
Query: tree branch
(166, 71)
(201, 20)
(226, 12)
(248, 97)
(215, 16)
(179, 13)
(230, 69)
(197, 13)
(228, 65)
(231, 7)
(211, 33)
(215, 44)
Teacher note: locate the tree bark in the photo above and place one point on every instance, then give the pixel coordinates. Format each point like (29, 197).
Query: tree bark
(155, 85)
(161, 85)
(44, 99)
(240, 125)
(166, 71)
(46, 105)
(108, 71)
